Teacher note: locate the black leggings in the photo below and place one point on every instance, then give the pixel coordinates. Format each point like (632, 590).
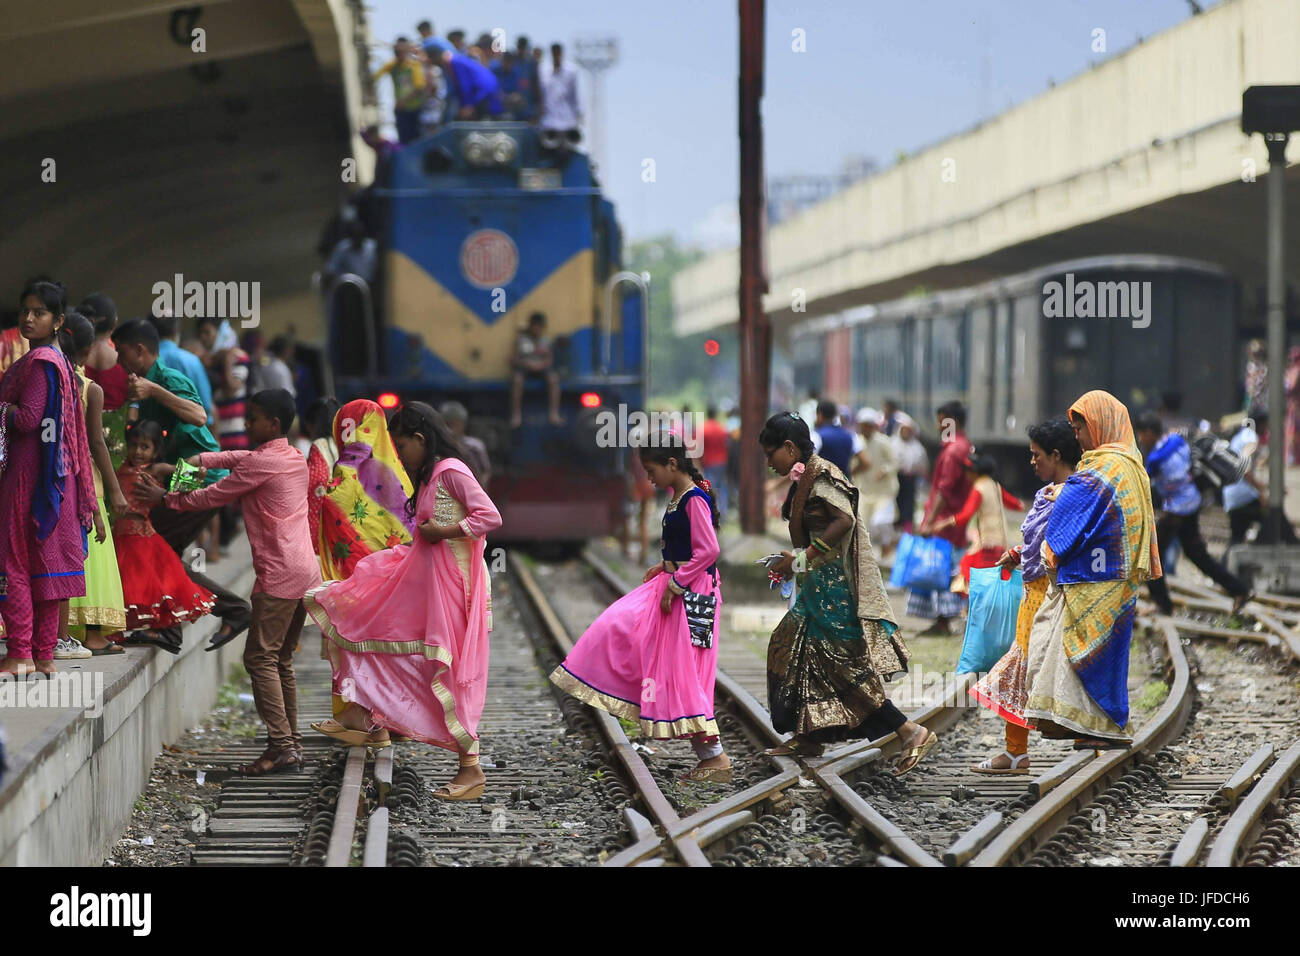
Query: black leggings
(1187, 529)
(885, 721)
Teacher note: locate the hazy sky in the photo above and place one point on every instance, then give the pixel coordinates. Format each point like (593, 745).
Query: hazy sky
(876, 77)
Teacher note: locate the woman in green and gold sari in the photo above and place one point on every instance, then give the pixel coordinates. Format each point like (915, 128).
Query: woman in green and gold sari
(830, 656)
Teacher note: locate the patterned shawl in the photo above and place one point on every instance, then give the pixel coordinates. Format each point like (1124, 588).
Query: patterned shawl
(68, 455)
(364, 510)
(1103, 526)
(860, 568)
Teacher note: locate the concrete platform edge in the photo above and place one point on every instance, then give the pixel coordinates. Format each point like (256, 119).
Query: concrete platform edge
(70, 791)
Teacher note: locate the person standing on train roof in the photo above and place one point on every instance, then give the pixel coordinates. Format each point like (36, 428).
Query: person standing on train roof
(652, 655)
(409, 628)
(561, 113)
(409, 89)
(834, 442)
(949, 488)
(533, 359)
(1168, 462)
(477, 89)
(434, 45)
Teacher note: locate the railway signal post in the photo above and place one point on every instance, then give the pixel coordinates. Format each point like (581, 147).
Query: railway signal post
(755, 330)
(1274, 111)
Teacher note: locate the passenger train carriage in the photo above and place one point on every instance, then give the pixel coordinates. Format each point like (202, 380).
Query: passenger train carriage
(482, 227)
(1021, 349)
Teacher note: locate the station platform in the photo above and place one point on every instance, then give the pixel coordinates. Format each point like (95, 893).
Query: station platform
(80, 750)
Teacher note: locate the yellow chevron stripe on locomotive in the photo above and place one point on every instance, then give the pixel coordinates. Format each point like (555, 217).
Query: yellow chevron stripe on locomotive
(421, 306)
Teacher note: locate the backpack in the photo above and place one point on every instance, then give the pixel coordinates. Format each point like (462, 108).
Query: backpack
(1215, 465)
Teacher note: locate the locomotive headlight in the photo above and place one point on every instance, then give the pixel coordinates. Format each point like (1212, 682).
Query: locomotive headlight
(489, 149)
(503, 151)
(476, 149)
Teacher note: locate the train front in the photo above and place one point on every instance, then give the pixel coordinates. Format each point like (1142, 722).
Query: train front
(482, 229)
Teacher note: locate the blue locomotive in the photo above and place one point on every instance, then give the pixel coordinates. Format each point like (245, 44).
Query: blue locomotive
(482, 227)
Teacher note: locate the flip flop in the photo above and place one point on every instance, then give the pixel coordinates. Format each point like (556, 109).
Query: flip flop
(456, 791)
(914, 755)
(109, 650)
(986, 766)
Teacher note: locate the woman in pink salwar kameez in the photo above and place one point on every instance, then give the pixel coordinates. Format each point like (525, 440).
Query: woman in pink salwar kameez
(47, 498)
(408, 631)
(641, 659)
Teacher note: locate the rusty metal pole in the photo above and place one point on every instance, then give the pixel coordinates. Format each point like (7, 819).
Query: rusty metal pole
(755, 330)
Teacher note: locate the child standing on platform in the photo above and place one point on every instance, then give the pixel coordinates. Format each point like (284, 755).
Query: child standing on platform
(103, 610)
(642, 659)
(157, 592)
(271, 484)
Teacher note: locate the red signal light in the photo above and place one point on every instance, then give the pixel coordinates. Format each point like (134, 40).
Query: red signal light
(387, 400)
(590, 400)
(711, 347)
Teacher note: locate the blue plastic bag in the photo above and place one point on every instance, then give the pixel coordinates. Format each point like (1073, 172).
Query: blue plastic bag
(991, 619)
(922, 564)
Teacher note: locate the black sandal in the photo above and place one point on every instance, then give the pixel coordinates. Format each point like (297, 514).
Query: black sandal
(286, 761)
(218, 641)
(142, 639)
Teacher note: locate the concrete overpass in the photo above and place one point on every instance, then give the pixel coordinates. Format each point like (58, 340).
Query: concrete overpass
(1141, 154)
(221, 165)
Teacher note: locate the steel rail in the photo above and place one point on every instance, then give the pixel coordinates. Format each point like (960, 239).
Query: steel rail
(1242, 829)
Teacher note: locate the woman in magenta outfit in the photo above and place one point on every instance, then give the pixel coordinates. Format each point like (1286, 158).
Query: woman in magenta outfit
(640, 659)
(47, 498)
(408, 631)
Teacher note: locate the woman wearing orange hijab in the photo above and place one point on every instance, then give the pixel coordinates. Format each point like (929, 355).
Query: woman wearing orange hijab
(1099, 547)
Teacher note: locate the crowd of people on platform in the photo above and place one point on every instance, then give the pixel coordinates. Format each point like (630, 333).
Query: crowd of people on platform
(119, 449)
(441, 79)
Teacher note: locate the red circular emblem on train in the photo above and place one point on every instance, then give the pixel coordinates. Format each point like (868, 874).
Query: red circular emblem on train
(488, 259)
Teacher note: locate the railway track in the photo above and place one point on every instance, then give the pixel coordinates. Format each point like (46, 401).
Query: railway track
(985, 821)
(567, 785)
(308, 818)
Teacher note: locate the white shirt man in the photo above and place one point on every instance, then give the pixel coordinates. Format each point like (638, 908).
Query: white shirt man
(560, 110)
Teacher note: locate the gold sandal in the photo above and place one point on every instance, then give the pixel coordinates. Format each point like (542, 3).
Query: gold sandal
(350, 737)
(793, 747)
(457, 791)
(913, 755)
(707, 775)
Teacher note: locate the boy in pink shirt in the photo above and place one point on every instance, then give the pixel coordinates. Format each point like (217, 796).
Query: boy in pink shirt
(270, 483)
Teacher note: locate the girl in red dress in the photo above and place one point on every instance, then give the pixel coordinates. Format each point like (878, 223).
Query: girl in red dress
(158, 592)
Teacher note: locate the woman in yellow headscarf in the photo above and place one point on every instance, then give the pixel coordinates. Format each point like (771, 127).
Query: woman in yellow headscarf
(1099, 547)
(364, 506)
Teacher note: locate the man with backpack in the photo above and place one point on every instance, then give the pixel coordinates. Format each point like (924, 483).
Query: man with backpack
(1243, 499)
(1169, 463)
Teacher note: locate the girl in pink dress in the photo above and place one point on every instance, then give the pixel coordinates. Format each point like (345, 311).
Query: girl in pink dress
(47, 498)
(408, 631)
(640, 659)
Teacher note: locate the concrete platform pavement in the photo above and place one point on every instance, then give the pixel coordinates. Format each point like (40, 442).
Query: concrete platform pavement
(80, 748)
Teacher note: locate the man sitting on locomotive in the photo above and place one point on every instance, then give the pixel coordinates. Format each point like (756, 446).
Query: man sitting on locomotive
(532, 359)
